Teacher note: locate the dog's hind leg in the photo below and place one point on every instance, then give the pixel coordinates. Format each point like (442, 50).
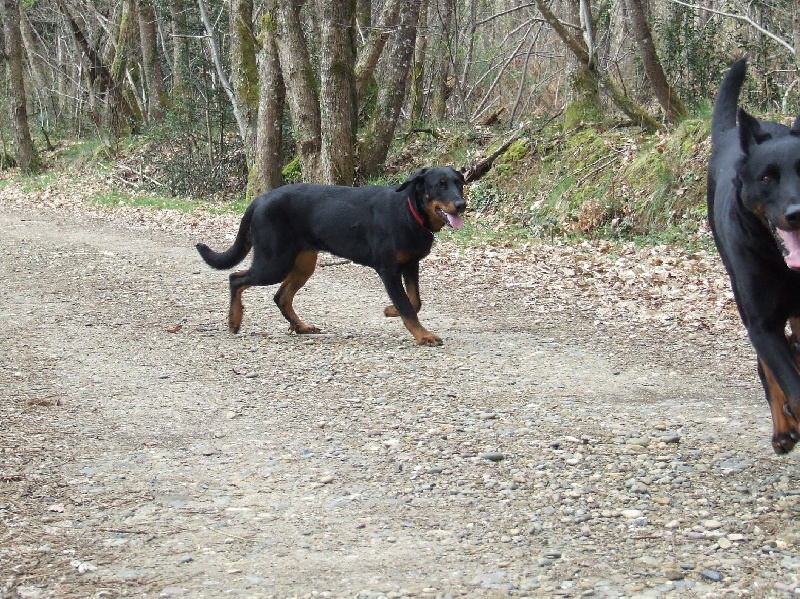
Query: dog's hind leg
(785, 432)
(260, 273)
(304, 265)
(239, 282)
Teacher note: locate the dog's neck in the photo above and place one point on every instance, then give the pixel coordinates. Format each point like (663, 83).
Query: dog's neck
(415, 214)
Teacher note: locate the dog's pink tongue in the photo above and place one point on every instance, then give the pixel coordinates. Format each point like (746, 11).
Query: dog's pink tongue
(791, 239)
(455, 221)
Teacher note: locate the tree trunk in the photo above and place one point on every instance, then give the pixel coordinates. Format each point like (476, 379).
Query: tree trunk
(244, 72)
(41, 72)
(670, 101)
(25, 153)
(392, 91)
(153, 76)
(298, 78)
(371, 51)
(418, 74)
(337, 93)
(269, 155)
(364, 14)
(180, 54)
(442, 87)
(117, 108)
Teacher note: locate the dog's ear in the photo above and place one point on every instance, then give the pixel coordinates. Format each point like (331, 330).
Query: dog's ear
(750, 131)
(459, 175)
(795, 130)
(414, 178)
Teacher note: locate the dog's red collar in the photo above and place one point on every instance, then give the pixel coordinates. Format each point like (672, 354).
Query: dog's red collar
(415, 214)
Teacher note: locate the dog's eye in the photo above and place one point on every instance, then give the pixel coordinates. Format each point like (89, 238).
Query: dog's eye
(769, 176)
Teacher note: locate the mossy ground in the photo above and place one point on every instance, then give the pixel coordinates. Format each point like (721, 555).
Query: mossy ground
(616, 183)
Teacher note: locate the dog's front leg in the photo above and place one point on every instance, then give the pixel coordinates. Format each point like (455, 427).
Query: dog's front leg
(778, 371)
(411, 280)
(394, 287)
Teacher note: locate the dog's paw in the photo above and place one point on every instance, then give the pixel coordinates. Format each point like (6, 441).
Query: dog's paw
(784, 442)
(391, 312)
(429, 340)
(304, 329)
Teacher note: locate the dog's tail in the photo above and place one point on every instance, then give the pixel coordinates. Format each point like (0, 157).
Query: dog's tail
(237, 252)
(724, 116)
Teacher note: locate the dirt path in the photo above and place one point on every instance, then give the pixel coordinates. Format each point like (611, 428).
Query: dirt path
(548, 448)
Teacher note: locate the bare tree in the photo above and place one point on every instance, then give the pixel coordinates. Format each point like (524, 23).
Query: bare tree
(670, 101)
(105, 81)
(579, 49)
(156, 93)
(24, 150)
(269, 132)
(337, 90)
(243, 99)
(392, 92)
(418, 71)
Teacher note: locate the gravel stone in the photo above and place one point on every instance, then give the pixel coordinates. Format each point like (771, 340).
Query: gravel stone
(493, 456)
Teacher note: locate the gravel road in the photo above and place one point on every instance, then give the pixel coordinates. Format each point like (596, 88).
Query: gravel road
(584, 431)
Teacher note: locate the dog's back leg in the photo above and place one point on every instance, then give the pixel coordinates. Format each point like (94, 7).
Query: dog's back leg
(261, 272)
(304, 265)
(239, 281)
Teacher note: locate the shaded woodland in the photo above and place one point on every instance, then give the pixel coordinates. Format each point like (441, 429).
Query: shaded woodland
(267, 91)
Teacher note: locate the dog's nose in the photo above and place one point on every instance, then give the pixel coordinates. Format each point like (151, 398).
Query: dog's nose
(792, 214)
(461, 205)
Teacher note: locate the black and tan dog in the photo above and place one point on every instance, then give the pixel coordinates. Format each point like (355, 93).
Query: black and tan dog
(754, 211)
(387, 228)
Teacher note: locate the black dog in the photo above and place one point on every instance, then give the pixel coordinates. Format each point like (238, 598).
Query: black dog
(754, 211)
(387, 228)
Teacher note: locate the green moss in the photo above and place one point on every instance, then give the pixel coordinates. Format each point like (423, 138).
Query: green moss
(585, 106)
(516, 151)
(292, 172)
(248, 66)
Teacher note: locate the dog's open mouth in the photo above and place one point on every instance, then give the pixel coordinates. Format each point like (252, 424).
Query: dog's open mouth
(454, 220)
(790, 244)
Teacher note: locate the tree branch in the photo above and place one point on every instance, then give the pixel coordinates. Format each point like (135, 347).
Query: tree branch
(212, 42)
(744, 18)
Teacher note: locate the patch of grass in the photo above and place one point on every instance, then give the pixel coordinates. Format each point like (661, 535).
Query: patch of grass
(80, 154)
(114, 198)
(236, 206)
(38, 182)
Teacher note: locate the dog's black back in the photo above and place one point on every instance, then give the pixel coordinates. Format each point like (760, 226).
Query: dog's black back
(357, 223)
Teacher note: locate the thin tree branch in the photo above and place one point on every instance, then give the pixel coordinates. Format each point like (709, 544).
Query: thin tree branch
(744, 18)
(212, 42)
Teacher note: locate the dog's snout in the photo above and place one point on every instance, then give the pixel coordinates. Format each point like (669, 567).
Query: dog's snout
(460, 205)
(792, 214)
